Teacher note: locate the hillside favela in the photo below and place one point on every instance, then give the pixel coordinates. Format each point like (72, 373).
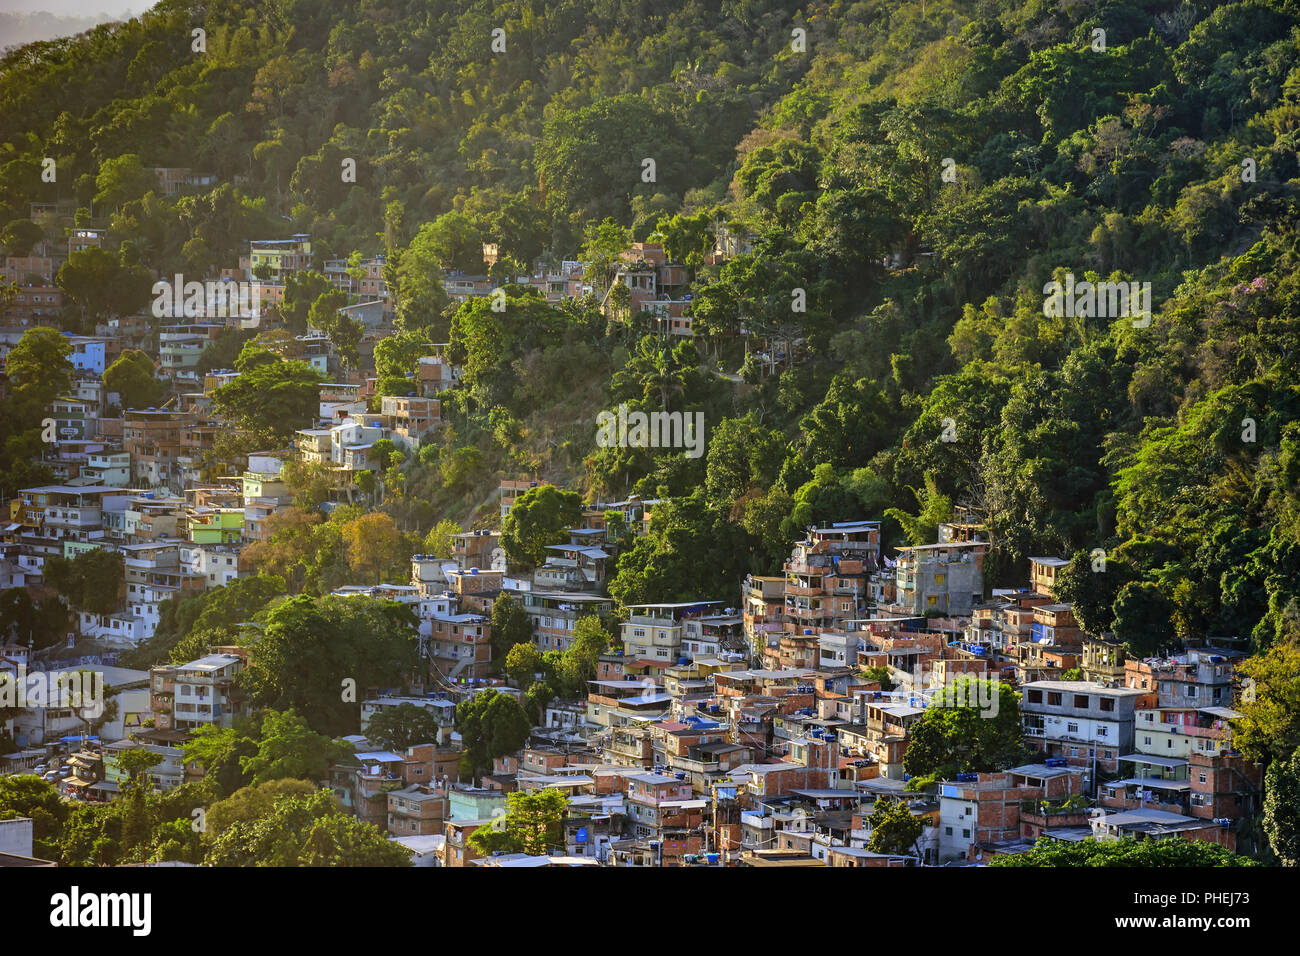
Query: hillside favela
(717, 434)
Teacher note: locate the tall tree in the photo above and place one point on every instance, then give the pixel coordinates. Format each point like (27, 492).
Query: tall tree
(972, 725)
(491, 725)
(539, 517)
(315, 655)
(396, 728)
(132, 377)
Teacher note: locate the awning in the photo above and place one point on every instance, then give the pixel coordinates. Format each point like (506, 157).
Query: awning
(1150, 783)
(1223, 713)
(1155, 761)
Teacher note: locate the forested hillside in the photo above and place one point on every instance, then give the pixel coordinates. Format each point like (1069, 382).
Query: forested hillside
(913, 173)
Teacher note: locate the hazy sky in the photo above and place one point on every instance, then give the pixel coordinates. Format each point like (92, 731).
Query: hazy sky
(84, 8)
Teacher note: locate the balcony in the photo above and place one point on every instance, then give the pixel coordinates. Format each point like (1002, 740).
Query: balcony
(692, 765)
(646, 620)
(73, 519)
(817, 566)
(800, 590)
(807, 613)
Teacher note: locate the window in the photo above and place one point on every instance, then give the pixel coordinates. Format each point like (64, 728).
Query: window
(1054, 698)
(1202, 778)
(1072, 727)
(966, 834)
(1103, 731)
(947, 831)
(968, 811)
(1108, 703)
(1146, 741)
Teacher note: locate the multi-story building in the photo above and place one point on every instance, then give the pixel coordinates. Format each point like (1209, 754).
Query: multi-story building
(654, 632)
(409, 420)
(985, 807)
(434, 374)
(826, 577)
(1201, 677)
(576, 566)
(762, 605)
(33, 303)
(416, 810)
(216, 525)
(458, 644)
(613, 704)
(663, 810)
(167, 774)
(51, 516)
(152, 516)
(181, 346)
(88, 353)
(554, 614)
(176, 180)
(313, 445)
(510, 489)
(200, 693)
(274, 260)
(351, 441)
(1088, 725)
(1103, 661)
(1042, 574)
(945, 579)
(1055, 644)
(153, 439)
(111, 468)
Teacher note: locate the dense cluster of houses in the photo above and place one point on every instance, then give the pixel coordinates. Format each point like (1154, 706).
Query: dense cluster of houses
(759, 735)
(757, 729)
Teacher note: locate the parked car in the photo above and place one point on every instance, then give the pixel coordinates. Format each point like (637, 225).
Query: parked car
(40, 769)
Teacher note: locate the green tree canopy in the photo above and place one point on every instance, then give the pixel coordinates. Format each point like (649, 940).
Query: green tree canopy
(305, 831)
(972, 725)
(396, 728)
(894, 828)
(539, 517)
(132, 377)
(312, 650)
(1171, 851)
(491, 725)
